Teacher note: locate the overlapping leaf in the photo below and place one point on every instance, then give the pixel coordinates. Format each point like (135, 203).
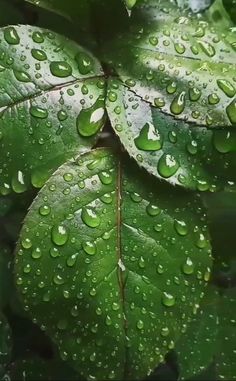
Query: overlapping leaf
(187, 155)
(178, 62)
(112, 263)
(52, 104)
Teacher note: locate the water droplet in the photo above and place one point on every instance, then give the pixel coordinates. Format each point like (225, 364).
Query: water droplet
(171, 88)
(105, 177)
(153, 210)
(11, 36)
(188, 267)
(140, 324)
(224, 141)
(89, 247)
(179, 48)
(60, 69)
(54, 252)
(153, 40)
(192, 147)
(38, 37)
(57, 279)
(71, 260)
(38, 54)
(26, 243)
(194, 94)
(106, 198)
(213, 99)
(108, 320)
(159, 102)
(22, 76)
(85, 63)
(38, 112)
(141, 262)
(149, 138)
(168, 300)
(90, 120)
(167, 165)
(18, 182)
(135, 197)
(201, 242)
(231, 111)
(90, 217)
(44, 210)
(207, 48)
(36, 253)
(181, 227)
(178, 103)
(226, 87)
(59, 234)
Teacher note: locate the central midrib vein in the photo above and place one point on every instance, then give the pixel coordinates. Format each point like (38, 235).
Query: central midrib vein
(119, 267)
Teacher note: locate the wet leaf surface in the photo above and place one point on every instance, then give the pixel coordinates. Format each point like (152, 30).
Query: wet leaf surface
(112, 265)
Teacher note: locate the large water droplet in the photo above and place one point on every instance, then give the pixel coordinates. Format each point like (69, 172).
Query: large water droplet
(59, 234)
(226, 87)
(207, 48)
(90, 120)
(167, 165)
(181, 227)
(89, 247)
(90, 217)
(60, 69)
(18, 182)
(38, 54)
(231, 111)
(38, 112)
(224, 141)
(178, 103)
(149, 138)
(85, 63)
(168, 300)
(11, 36)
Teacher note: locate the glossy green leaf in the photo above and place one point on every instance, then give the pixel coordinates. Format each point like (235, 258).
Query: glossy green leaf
(196, 348)
(178, 62)
(51, 101)
(187, 155)
(226, 350)
(5, 344)
(111, 263)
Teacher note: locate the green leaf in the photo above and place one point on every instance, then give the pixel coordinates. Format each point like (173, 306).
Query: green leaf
(178, 62)
(226, 354)
(5, 344)
(187, 155)
(196, 348)
(52, 104)
(122, 260)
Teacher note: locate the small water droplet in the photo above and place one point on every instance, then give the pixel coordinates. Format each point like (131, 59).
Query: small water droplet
(38, 112)
(181, 227)
(188, 267)
(153, 210)
(140, 324)
(89, 247)
(231, 112)
(168, 300)
(85, 63)
(226, 87)
(36, 253)
(38, 54)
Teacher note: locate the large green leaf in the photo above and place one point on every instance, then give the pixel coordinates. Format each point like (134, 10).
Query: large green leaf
(188, 155)
(112, 265)
(52, 104)
(5, 344)
(196, 348)
(178, 62)
(226, 350)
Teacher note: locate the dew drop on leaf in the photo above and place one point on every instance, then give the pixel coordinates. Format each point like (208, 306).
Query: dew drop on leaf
(149, 138)
(59, 234)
